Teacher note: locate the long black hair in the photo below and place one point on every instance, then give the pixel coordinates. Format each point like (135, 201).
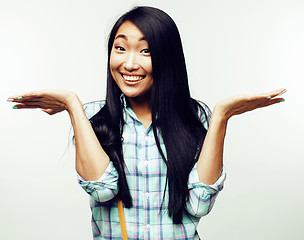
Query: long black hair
(174, 113)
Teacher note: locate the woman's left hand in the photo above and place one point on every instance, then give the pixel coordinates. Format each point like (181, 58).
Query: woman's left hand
(210, 162)
(244, 103)
(50, 101)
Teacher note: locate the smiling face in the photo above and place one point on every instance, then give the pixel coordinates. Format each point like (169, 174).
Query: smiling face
(130, 62)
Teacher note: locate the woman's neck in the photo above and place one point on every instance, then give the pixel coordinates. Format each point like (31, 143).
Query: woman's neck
(141, 106)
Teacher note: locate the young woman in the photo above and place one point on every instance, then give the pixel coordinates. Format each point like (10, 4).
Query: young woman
(147, 143)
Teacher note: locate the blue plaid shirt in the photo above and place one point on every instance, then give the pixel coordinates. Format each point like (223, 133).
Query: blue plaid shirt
(146, 177)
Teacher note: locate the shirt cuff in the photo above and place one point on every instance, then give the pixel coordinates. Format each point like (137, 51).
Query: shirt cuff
(109, 173)
(194, 182)
(103, 189)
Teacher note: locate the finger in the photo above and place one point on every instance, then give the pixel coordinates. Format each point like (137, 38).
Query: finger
(14, 99)
(27, 96)
(19, 96)
(271, 102)
(36, 104)
(282, 92)
(52, 111)
(46, 111)
(22, 106)
(44, 103)
(276, 93)
(31, 106)
(259, 104)
(49, 111)
(22, 99)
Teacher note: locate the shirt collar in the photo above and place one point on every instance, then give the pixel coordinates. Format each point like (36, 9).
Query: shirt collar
(128, 110)
(123, 100)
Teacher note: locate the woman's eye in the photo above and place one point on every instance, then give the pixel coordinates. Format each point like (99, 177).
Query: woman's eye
(119, 48)
(146, 51)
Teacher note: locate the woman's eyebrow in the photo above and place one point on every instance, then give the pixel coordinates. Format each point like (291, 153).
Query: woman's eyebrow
(123, 36)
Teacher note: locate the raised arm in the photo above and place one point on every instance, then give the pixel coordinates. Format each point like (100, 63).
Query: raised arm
(91, 159)
(210, 162)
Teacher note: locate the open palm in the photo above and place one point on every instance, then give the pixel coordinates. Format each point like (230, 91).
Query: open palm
(50, 101)
(244, 103)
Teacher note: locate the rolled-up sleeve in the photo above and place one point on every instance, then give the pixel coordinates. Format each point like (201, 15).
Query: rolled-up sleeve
(105, 188)
(202, 196)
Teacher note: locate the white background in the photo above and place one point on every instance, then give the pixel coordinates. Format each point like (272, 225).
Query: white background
(231, 47)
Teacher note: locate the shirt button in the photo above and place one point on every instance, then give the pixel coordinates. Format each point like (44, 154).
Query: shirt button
(148, 227)
(146, 163)
(147, 195)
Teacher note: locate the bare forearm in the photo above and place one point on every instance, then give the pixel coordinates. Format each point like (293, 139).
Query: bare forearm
(91, 159)
(210, 162)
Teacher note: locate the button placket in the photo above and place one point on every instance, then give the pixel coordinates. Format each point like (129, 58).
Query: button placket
(146, 194)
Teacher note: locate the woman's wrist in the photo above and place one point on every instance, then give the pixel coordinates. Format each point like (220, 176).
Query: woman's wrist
(73, 103)
(220, 115)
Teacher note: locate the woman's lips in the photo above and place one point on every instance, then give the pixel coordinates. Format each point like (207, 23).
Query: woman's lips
(132, 79)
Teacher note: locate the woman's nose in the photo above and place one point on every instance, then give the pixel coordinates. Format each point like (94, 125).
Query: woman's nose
(131, 63)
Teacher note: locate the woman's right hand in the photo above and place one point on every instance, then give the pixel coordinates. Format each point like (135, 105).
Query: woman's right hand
(91, 159)
(50, 101)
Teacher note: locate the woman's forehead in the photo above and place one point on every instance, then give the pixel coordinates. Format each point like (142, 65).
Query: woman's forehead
(129, 31)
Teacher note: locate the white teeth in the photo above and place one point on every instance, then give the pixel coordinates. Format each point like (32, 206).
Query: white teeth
(132, 78)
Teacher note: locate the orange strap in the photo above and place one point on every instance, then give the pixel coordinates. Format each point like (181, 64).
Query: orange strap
(122, 220)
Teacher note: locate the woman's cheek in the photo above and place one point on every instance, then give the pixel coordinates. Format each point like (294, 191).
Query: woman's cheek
(147, 65)
(113, 61)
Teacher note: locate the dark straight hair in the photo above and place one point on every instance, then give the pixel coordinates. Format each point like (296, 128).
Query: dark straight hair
(174, 113)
